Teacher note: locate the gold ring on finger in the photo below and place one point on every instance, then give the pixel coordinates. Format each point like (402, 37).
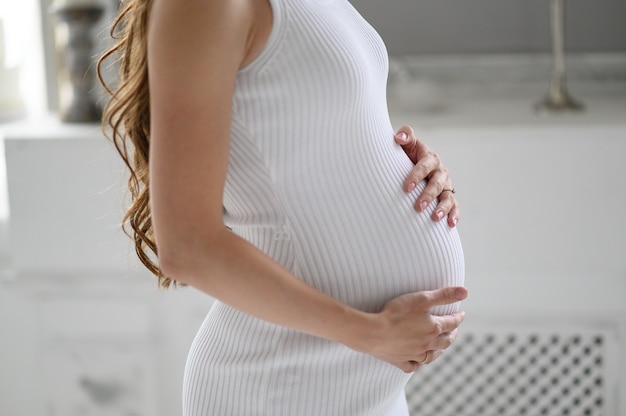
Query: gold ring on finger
(425, 358)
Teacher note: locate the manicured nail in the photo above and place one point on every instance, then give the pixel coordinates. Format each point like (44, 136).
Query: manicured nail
(423, 205)
(460, 294)
(455, 220)
(401, 136)
(439, 214)
(411, 187)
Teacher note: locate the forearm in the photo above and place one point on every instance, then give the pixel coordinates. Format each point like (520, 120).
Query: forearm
(237, 273)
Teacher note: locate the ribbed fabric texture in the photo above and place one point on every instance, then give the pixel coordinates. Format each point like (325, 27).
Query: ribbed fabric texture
(315, 181)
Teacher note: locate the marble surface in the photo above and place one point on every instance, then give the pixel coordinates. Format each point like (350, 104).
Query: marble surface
(503, 90)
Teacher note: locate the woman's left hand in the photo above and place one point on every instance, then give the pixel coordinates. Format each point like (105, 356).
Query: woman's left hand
(428, 165)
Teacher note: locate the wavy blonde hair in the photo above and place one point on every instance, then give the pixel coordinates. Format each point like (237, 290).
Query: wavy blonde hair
(126, 122)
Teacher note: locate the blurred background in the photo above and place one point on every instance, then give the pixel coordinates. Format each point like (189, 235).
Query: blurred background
(542, 188)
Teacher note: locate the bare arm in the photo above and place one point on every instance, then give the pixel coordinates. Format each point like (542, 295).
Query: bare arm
(195, 50)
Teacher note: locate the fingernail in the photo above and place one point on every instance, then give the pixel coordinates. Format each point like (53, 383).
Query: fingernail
(460, 294)
(455, 220)
(401, 136)
(411, 186)
(439, 214)
(423, 205)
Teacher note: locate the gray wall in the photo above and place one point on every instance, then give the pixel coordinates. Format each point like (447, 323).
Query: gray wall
(493, 26)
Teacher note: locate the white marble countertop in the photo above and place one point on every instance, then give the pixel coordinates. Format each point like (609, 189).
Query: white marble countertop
(433, 92)
(48, 126)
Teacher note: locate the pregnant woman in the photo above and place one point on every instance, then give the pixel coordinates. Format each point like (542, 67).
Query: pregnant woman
(264, 172)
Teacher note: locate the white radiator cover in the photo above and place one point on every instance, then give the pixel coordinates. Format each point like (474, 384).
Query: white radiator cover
(513, 369)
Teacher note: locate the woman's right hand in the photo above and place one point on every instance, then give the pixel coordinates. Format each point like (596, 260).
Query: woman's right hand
(409, 335)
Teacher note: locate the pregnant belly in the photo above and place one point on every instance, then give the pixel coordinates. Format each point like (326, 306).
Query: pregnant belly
(367, 260)
(362, 243)
(364, 259)
(368, 249)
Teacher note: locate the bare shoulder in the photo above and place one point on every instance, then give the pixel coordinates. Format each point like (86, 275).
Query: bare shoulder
(195, 48)
(199, 22)
(229, 28)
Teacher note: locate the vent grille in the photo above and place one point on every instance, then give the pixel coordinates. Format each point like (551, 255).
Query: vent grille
(531, 373)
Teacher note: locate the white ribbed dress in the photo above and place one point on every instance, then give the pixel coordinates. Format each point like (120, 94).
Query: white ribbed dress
(315, 181)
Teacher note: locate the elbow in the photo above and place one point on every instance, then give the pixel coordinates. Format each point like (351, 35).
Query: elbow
(176, 266)
(186, 259)
(171, 271)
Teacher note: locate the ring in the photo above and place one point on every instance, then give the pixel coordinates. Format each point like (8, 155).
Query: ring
(425, 358)
(449, 190)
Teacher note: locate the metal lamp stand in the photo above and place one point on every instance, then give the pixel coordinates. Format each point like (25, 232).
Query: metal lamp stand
(558, 99)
